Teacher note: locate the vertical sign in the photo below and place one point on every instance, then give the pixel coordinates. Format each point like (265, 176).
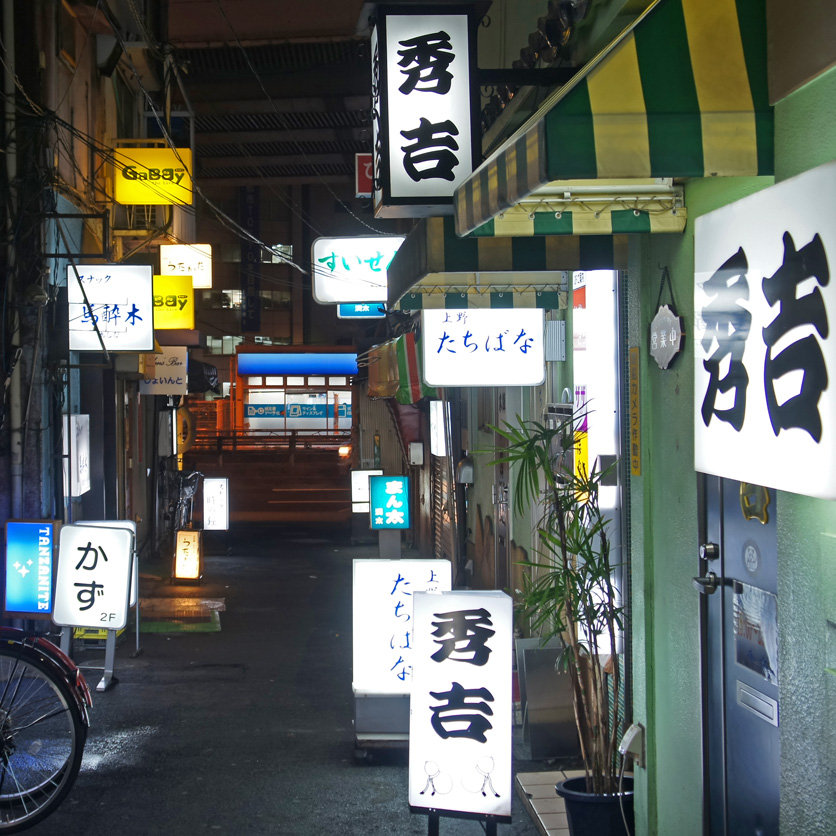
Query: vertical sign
(635, 413)
(215, 504)
(363, 175)
(187, 557)
(764, 348)
(382, 642)
(422, 103)
(76, 461)
(461, 710)
(173, 302)
(29, 553)
(250, 260)
(389, 500)
(94, 577)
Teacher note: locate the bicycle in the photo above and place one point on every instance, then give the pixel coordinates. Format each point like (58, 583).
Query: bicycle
(44, 718)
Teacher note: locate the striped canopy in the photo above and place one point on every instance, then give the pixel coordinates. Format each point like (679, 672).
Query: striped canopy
(680, 93)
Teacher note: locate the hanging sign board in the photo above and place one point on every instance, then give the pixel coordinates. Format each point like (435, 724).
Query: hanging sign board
(389, 500)
(152, 176)
(360, 490)
(173, 303)
(119, 306)
(352, 269)
(29, 567)
(363, 175)
(76, 460)
(361, 310)
(422, 98)
(170, 372)
(765, 342)
(215, 504)
(483, 347)
(193, 260)
(94, 577)
(382, 644)
(461, 709)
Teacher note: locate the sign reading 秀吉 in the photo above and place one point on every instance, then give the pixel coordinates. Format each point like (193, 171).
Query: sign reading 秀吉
(389, 501)
(29, 559)
(94, 577)
(382, 619)
(764, 348)
(461, 709)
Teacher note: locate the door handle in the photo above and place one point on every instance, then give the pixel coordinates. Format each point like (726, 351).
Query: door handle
(708, 584)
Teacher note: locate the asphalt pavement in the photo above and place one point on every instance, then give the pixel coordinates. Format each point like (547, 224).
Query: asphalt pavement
(241, 722)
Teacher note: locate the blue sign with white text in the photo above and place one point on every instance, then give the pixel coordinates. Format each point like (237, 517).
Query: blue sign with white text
(361, 310)
(29, 555)
(296, 410)
(389, 501)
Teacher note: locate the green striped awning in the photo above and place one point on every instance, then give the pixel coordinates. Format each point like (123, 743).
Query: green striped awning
(680, 93)
(434, 268)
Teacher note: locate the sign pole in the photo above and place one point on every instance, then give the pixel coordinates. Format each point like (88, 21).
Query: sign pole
(432, 823)
(108, 679)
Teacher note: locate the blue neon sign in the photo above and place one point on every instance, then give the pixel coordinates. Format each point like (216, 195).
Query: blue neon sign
(279, 363)
(389, 501)
(29, 558)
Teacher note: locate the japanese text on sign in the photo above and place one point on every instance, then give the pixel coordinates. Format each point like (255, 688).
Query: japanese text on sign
(389, 499)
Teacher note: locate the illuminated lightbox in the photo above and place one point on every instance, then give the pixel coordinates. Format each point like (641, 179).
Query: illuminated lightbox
(461, 704)
(171, 372)
(352, 269)
(382, 598)
(118, 310)
(130, 525)
(152, 176)
(29, 567)
(389, 502)
(188, 556)
(76, 459)
(173, 303)
(483, 347)
(360, 489)
(215, 504)
(193, 260)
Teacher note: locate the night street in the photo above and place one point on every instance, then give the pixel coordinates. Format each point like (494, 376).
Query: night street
(247, 729)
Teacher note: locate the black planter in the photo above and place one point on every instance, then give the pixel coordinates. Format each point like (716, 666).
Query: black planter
(593, 814)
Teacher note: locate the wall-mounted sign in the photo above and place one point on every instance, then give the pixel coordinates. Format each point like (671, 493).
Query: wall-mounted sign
(764, 348)
(461, 709)
(94, 577)
(363, 175)
(193, 260)
(352, 269)
(361, 310)
(423, 104)
(360, 489)
(382, 642)
(173, 303)
(215, 504)
(119, 306)
(29, 564)
(170, 372)
(152, 176)
(665, 336)
(297, 364)
(389, 500)
(76, 461)
(483, 347)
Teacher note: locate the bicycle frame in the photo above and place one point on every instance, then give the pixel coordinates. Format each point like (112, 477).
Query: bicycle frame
(58, 662)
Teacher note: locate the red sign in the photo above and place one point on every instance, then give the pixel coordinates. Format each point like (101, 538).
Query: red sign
(363, 175)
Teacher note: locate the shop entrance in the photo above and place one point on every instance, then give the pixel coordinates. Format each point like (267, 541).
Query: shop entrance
(738, 585)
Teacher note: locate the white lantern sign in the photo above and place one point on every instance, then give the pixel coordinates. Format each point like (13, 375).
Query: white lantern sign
(352, 269)
(193, 260)
(461, 709)
(483, 347)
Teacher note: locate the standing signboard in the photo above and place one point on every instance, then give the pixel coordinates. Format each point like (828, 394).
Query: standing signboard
(389, 500)
(764, 351)
(215, 504)
(461, 710)
(29, 568)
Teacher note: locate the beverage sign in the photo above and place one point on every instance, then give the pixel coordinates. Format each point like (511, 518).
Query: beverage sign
(193, 260)
(461, 709)
(382, 632)
(29, 559)
(764, 345)
(94, 577)
(483, 347)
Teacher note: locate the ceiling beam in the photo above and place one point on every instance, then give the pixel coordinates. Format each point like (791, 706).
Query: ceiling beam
(300, 135)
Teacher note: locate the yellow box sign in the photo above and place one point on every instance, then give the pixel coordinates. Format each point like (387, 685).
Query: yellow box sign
(173, 302)
(152, 176)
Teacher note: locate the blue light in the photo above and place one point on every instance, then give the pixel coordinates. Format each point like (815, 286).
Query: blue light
(29, 552)
(274, 363)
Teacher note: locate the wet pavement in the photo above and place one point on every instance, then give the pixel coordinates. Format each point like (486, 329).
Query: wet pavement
(246, 729)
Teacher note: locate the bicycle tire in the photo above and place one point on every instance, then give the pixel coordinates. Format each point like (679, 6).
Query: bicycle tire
(42, 737)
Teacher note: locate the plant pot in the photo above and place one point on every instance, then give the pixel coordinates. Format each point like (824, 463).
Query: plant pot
(594, 814)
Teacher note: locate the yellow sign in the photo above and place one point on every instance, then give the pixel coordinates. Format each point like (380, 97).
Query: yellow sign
(173, 302)
(187, 560)
(152, 176)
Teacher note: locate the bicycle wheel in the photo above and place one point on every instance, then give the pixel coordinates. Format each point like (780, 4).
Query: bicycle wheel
(42, 737)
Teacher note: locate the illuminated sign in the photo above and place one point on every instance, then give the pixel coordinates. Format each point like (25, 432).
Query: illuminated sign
(152, 176)
(215, 504)
(382, 619)
(764, 351)
(363, 175)
(170, 372)
(352, 269)
(188, 557)
(131, 526)
(173, 303)
(389, 501)
(360, 489)
(29, 555)
(422, 99)
(361, 310)
(461, 709)
(483, 347)
(276, 363)
(94, 577)
(76, 460)
(111, 301)
(193, 260)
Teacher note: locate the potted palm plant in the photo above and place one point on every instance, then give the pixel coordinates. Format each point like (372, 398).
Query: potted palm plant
(570, 592)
